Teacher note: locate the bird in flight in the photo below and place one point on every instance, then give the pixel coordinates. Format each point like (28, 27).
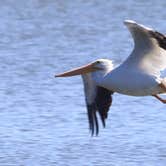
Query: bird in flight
(138, 75)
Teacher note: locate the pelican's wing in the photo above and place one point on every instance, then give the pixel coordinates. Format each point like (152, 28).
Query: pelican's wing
(149, 52)
(98, 99)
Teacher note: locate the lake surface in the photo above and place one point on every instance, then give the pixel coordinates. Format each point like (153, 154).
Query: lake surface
(43, 119)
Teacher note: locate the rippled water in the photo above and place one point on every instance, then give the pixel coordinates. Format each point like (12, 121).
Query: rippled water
(42, 119)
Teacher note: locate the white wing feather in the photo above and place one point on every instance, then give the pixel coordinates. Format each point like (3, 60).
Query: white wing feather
(149, 53)
(89, 88)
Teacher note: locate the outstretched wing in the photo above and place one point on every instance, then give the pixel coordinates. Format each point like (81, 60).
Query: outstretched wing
(98, 99)
(149, 52)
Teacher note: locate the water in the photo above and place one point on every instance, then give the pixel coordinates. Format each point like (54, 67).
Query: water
(42, 119)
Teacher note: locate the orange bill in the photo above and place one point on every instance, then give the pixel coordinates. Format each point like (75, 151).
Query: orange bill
(78, 71)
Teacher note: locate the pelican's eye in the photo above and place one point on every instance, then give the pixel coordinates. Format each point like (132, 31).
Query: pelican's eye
(97, 62)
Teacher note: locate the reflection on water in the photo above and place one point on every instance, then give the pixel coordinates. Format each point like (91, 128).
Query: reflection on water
(43, 119)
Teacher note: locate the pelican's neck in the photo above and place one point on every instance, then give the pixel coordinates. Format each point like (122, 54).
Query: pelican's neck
(99, 75)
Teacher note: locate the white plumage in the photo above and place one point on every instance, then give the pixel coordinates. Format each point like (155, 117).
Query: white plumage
(139, 75)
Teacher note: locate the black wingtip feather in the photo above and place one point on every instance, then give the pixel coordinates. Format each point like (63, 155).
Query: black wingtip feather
(103, 101)
(161, 39)
(101, 104)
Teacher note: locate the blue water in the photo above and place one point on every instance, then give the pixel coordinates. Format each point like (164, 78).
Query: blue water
(43, 119)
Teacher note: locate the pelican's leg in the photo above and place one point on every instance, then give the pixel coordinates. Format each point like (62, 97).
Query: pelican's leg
(159, 98)
(163, 86)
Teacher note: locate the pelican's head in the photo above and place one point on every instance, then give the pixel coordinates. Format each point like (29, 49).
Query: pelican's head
(103, 64)
(99, 65)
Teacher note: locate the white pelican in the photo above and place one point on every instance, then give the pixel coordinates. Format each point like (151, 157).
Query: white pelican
(138, 75)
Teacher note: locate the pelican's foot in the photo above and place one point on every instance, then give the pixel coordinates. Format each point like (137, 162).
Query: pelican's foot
(163, 85)
(159, 98)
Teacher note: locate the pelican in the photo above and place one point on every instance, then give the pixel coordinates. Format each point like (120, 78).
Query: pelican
(138, 75)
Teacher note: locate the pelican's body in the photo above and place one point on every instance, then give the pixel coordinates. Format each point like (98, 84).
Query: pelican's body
(139, 75)
(130, 82)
